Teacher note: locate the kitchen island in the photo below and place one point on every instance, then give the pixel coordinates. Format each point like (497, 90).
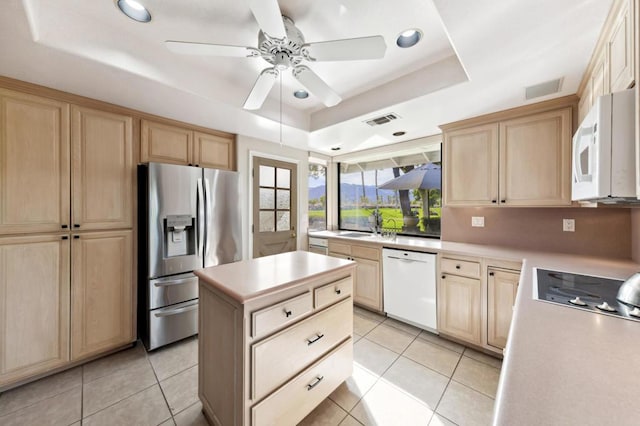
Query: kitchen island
(276, 337)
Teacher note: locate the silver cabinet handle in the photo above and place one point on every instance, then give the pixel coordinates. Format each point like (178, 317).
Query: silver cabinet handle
(177, 311)
(174, 282)
(315, 339)
(315, 383)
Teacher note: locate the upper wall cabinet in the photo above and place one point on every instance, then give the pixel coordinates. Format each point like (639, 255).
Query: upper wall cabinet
(34, 164)
(102, 173)
(165, 143)
(520, 161)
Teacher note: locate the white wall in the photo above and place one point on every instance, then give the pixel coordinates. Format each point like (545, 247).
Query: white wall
(247, 147)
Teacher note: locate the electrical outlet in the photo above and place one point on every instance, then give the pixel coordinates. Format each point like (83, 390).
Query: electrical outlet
(569, 225)
(477, 221)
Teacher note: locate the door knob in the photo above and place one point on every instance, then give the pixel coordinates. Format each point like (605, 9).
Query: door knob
(293, 235)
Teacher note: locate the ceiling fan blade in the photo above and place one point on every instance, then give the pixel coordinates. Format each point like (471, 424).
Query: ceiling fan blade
(316, 85)
(268, 16)
(188, 48)
(349, 49)
(261, 88)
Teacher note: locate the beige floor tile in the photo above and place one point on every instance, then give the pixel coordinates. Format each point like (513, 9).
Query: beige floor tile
(191, 416)
(131, 358)
(402, 326)
(487, 359)
(328, 413)
(481, 377)
(417, 380)
(61, 409)
(144, 408)
(181, 390)
(362, 325)
(356, 337)
(350, 421)
(31, 393)
(372, 356)
(433, 356)
(368, 314)
(169, 422)
(464, 406)
(441, 341)
(351, 390)
(386, 404)
(390, 337)
(108, 390)
(174, 358)
(438, 420)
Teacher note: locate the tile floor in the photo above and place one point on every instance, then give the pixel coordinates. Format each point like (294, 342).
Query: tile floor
(402, 376)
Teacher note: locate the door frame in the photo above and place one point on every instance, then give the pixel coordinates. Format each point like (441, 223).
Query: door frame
(261, 154)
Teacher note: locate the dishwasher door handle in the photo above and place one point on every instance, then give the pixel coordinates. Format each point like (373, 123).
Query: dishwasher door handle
(406, 260)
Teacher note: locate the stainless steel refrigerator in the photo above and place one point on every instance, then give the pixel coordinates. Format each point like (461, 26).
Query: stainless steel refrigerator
(189, 218)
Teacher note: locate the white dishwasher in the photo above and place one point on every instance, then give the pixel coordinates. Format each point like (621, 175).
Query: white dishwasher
(409, 282)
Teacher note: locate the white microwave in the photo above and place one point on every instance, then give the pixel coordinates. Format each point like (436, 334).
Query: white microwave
(604, 152)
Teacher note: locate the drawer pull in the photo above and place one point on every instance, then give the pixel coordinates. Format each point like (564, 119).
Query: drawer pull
(314, 383)
(457, 266)
(312, 341)
(338, 291)
(287, 313)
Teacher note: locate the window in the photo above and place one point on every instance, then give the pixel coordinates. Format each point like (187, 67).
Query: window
(317, 197)
(406, 193)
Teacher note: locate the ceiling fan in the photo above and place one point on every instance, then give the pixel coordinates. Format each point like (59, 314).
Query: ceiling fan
(282, 44)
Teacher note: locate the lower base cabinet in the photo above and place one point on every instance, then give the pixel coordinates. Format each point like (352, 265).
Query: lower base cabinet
(502, 286)
(460, 301)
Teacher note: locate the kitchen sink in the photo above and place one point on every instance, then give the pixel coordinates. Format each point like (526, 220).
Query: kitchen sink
(356, 235)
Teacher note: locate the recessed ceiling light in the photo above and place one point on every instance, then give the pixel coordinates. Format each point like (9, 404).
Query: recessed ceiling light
(399, 133)
(409, 38)
(301, 94)
(335, 148)
(134, 10)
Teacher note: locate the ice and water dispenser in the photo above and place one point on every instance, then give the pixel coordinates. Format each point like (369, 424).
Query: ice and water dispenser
(179, 235)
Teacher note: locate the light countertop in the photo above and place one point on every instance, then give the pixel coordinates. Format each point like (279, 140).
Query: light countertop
(563, 366)
(247, 279)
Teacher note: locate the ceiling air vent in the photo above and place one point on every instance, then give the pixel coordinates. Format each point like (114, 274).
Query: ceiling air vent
(543, 89)
(383, 119)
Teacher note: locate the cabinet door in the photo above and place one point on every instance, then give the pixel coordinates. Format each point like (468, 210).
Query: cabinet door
(368, 289)
(34, 164)
(585, 102)
(621, 49)
(101, 292)
(163, 143)
(459, 307)
(535, 160)
(102, 173)
(471, 166)
(502, 287)
(34, 306)
(213, 151)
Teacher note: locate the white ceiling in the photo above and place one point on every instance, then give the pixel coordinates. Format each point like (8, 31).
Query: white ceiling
(477, 56)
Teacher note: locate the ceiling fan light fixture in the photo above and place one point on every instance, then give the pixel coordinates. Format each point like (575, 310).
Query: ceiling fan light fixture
(134, 10)
(301, 94)
(409, 38)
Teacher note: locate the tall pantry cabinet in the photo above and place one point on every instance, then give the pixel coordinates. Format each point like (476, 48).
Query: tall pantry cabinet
(66, 234)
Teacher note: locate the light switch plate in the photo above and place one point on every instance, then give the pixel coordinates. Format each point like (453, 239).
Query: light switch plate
(477, 221)
(569, 225)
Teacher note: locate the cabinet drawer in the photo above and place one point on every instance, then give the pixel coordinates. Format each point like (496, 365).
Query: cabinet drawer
(291, 403)
(341, 248)
(278, 358)
(280, 314)
(365, 252)
(330, 293)
(460, 267)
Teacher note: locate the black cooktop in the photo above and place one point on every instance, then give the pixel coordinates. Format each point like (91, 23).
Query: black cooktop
(595, 294)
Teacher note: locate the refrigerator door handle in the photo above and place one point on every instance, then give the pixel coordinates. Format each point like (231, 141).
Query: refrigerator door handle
(207, 190)
(201, 216)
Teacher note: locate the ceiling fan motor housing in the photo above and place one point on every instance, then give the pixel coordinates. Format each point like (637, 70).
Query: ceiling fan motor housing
(282, 53)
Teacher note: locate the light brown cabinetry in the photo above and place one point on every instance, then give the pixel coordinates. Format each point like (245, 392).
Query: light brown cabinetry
(101, 292)
(522, 159)
(34, 305)
(459, 300)
(165, 143)
(34, 164)
(502, 286)
(367, 289)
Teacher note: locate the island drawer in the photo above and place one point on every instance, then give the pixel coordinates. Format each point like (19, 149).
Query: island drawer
(330, 293)
(267, 319)
(278, 358)
(460, 267)
(292, 402)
